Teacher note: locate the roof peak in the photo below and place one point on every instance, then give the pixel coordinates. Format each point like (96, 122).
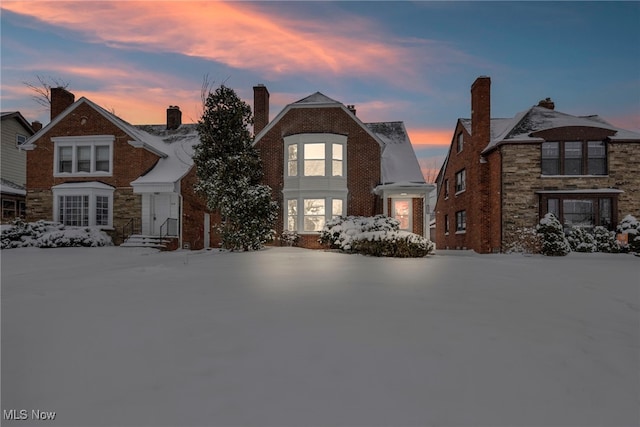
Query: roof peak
(317, 98)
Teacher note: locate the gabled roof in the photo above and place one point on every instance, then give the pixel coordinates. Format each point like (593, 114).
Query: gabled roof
(138, 138)
(6, 115)
(399, 161)
(524, 124)
(174, 147)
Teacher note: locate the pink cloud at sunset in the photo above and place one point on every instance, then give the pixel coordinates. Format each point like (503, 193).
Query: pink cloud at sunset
(236, 35)
(422, 137)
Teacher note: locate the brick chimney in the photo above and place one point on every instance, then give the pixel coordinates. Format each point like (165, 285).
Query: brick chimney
(481, 112)
(260, 108)
(60, 100)
(547, 103)
(36, 126)
(174, 117)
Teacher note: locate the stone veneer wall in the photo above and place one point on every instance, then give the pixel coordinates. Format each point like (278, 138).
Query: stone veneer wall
(521, 179)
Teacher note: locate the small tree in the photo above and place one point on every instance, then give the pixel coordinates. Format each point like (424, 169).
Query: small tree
(581, 240)
(631, 227)
(229, 172)
(605, 240)
(554, 243)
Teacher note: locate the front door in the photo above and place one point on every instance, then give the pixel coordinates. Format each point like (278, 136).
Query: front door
(401, 210)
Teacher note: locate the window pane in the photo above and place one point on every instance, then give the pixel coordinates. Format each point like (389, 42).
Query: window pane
(102, 210)
(597, 158)
(313, 151)
(553, 207)
(550, 158)
(578, 213)
(337, 151)
(102, 158)
(74, 210)
(461, 221)
(336, 166)
(573, 158)
(292, 152)
(314, 167)
(313, 214)
(336, 207)
(65, 157)
(606, 213)
(461, 180)
(83, 156)
(401, 212)
(292, 215)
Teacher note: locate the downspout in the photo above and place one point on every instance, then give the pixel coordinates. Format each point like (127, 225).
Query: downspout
(180, 221)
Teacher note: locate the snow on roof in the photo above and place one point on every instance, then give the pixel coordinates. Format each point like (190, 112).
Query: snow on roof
(522, 125)
(399, 162)
(179, 145)
(9, 187)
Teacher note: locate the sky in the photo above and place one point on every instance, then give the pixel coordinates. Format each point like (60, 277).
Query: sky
(395, 61)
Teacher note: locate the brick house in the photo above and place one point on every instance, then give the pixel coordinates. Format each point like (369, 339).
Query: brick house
(504, 174)
(88, 167)
(322, 161)
(13, 171)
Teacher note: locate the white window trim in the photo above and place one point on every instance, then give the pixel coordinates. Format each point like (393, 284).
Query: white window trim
(91, 189)
(20, 139)
(328, 139)
(328, 209)
(76, 141)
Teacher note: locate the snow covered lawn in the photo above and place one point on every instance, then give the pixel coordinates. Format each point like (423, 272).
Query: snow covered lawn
(291, 337)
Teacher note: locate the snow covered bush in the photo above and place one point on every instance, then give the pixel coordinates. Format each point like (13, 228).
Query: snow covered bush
(43, 234)
(605, 240)
(376, 236)
(289, 238)
(522, 240)
(631, 227)
(554, 243)
(581, 240)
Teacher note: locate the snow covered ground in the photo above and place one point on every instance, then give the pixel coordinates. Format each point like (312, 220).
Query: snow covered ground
(292, 337)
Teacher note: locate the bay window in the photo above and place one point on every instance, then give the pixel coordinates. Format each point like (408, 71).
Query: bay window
(315, 155)
(314, 214)
(581, 210)
(83, 204)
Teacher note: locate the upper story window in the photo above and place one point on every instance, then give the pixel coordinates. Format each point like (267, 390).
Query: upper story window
(446, 188)
(461, 221)
(20, 139)
(85, 155)
(574, 158)
(460, 142)
(461, 181)
(317, 155)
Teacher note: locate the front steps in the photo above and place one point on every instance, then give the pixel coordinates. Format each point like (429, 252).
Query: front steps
(142, 241)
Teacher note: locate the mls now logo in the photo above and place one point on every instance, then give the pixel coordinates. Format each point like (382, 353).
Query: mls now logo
(23, 414)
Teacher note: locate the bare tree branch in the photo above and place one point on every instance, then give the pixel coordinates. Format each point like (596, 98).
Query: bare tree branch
(42, 89)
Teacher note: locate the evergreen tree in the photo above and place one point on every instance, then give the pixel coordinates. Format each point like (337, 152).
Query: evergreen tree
(229, 172)
(554, 243)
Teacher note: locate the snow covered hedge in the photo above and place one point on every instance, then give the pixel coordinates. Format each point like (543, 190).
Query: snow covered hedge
(631, 227)
(44, 234)
(376, 236)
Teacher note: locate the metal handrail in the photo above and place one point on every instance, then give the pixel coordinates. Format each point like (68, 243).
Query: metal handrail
(130, 226)
(169, 222)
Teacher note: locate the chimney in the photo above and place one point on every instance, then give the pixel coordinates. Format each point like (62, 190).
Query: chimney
(60, 100)
(260, 108)
(352, 108)
(547, 103)
(36, 126)
(174, 117)
(481, 112)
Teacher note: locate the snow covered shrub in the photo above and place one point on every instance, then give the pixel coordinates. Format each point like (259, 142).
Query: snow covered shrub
(605, 240)
(554, 243)
(289, 238)
(631, 227)
(398, 244)
(522, 240)
(581, 240)
(376, 236)
(43, 234)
